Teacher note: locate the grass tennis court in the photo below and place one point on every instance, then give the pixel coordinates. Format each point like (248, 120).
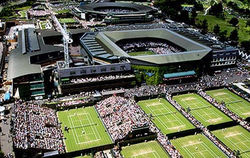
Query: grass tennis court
(202, 110)
(197, 146)
(236, 138)
(85, 129)
(141, 53)
(165, 116)
(67, 20)
(150, 149)
(233, 102)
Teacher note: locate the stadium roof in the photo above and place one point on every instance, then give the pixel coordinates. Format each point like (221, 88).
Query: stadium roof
(194, 51)
(136, 8)
(19, 62)
(94, 49)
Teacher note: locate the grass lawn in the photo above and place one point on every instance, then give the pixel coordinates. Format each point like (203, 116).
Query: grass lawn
(197, 146)
(151, 149)
(67, 20)
(23, 8)
(240, 3)
(202, 110)
(141, 53)
(244, 32)
(236, 138)
(85, 129)
(165, 116)
(233, 102)
(63, 11)
(22, 14)
(43, 24)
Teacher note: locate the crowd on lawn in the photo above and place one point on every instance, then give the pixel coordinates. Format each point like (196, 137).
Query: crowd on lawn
(101, 78)
(36, 127)
(157, 47)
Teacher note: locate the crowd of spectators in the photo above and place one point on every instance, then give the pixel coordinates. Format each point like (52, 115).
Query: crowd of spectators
(120, 116)
(244, 95)
(132, 27)
(39, 13)
(36, 127)
(71, 103)
(115, 10)
(158, 47)
(165, 142)
(101, 78)
(146, 90)
(224, 78)
(71, 100)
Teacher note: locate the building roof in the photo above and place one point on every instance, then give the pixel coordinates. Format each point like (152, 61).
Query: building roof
(135, 8)
(194, 51)
(19, 63)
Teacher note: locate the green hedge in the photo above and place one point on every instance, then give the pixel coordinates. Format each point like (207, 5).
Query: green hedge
(142, 76)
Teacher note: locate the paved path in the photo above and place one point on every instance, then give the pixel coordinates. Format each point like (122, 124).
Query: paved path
(5, 136)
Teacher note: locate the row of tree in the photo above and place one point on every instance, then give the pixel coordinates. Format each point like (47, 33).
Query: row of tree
(173, 9)
(8, 11)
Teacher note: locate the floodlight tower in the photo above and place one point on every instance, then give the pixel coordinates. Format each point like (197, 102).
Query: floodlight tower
(66, 40)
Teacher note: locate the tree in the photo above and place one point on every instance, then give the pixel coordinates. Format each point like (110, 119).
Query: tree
(223, 35)
(246, 46)
(216, 9)
(194, 13)
(198, 6)
(234, 35)
(1, 154)
(204, 26)
(248, 23)
(216, 29)
(185, 16)
(234, 21)
(170, 8)
(193, 16)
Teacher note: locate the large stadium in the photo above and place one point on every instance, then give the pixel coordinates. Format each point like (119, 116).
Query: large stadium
(171, 46)
(165, 52)
(115, 12)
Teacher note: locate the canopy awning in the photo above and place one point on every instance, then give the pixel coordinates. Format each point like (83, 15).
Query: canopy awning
(7, 96)
(179, 74)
